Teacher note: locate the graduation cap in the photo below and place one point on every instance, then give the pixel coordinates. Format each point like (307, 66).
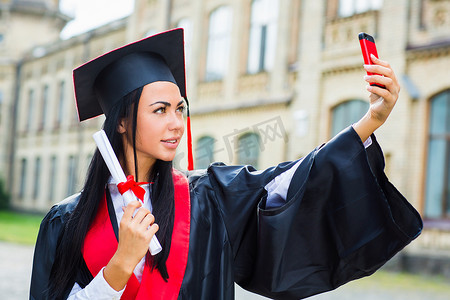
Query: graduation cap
(100, 83)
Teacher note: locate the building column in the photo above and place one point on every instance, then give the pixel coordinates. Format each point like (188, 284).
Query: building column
(307, 86)
(398, 130)
(278, 75)
(230, 81)
(198, 32)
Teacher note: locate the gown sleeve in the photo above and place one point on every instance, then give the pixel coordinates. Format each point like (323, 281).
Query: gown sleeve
(44, 254)
(45, 249)
(342, 220)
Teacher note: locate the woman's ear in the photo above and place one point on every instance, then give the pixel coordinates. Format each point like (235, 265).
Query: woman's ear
(122, 126)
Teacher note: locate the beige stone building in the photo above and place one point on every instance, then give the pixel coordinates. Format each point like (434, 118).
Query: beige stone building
(268, 80)
(18, 21)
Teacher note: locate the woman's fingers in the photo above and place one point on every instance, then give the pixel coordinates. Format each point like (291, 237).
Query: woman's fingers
(380, 80)
(378, 70)
(379, 91)
(382, 74)
(380, 62)
(140, 222)
(129, 210)
(143, 218)
(153, 229)
(140, 214)
(383, 69)
(148, 220)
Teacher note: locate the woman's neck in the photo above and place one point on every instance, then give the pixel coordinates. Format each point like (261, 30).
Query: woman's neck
(144, 167)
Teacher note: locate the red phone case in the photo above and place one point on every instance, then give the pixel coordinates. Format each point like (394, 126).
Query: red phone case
(368, 47)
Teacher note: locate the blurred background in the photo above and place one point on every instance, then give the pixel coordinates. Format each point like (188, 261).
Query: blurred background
(268, 81)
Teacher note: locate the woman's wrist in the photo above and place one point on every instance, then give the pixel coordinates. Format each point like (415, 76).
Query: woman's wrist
(366, 126)
(117, 272)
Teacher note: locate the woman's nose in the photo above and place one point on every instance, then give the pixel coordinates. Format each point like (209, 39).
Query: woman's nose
(176, 122)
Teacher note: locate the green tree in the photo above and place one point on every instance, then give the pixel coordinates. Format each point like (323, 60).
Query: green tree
(4, 197)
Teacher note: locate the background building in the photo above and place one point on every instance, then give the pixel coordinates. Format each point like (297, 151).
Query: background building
(268, 80)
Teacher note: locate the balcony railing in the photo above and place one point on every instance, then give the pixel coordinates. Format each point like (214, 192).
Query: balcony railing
(249, 83)
(430, 23)
(341, 34)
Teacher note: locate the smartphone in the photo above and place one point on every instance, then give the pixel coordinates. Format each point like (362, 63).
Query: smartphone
(368, 47)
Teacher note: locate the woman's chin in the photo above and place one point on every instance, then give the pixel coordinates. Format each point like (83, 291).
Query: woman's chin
(167, 157)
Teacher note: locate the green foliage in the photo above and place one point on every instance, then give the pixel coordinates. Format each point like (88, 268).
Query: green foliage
(4, 197)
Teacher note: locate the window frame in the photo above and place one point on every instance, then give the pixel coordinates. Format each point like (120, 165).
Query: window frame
(245, 161)
(353, 118)
(187, 24)
(52, 177)
(44, 106)
(444, 201)
(215, 71)
(262, 47)
(23, 177)
(59, 116)
(201, 143)
(370, 5)
(37, 178)
(72, 169)
(30, 110)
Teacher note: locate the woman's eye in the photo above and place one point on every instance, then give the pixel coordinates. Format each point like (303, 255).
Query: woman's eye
(160, 110)
(181, 108)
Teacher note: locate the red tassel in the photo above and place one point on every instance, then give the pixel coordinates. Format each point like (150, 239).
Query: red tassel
(189, 145)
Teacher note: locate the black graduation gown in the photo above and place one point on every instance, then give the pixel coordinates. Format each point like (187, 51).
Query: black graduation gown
(342, 220)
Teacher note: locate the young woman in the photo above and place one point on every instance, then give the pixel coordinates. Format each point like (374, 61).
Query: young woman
(288, 232)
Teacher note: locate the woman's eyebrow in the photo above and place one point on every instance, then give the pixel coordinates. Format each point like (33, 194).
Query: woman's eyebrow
(166, 103)
(161, 102)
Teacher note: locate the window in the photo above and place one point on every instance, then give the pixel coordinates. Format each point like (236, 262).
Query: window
(186, 24)
(437, 196)
(346, 114)
(53, 173)
(37, 170)
(248, 149)
(29, 119)
(23, 178)
(263, 35)
(219, 42)
(60, 110)
(44, 107)
(72, 178)
(1, 101)
(204, 152)
(351, 7)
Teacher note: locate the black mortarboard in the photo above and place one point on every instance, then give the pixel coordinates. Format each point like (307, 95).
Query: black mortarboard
(103, 81)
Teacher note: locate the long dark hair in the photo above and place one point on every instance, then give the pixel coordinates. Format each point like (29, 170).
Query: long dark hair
(68, 258)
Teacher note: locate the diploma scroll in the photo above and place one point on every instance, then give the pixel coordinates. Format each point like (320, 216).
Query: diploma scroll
(110, 158)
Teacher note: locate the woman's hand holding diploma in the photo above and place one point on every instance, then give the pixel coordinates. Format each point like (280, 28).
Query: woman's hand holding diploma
(135, 233)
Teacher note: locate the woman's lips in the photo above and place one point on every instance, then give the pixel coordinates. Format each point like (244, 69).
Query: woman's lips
(170, 143)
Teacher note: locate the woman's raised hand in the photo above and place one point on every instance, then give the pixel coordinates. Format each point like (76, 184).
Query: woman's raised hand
(135, 233)
(382, 100)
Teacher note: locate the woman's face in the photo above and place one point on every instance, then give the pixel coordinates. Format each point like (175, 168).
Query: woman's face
(160, 123)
